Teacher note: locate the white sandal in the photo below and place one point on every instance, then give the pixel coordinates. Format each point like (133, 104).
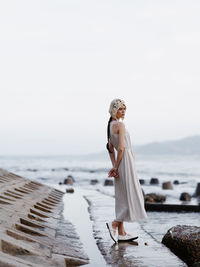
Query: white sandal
(127, 237)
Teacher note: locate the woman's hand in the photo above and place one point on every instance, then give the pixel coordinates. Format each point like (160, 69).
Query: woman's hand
(113, 173)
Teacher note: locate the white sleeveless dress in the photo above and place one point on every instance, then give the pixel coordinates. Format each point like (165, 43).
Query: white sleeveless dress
(129, 200)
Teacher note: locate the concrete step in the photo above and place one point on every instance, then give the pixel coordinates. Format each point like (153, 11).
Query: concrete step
(30, 221)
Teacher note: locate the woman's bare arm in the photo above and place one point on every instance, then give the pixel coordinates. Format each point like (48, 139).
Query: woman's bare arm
(114, 171)
(112, 155)
(120, 145)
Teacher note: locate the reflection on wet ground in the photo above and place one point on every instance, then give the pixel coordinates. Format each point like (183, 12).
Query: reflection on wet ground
(145, 252)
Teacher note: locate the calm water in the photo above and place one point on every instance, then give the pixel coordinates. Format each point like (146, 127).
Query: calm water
(53, 169)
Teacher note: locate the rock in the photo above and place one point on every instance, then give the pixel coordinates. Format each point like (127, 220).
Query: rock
(149, 199)
(142, 181)
(69, 180)
(184, 241)
(70, 176)
(167, 185)
(66, 169)
(108, 182)
(176, 182)
(94, 181)
(152, 197)
(196, 264)
(70, 190)
(154, 181)
(60, 183)
(185, 196)
(197, 192)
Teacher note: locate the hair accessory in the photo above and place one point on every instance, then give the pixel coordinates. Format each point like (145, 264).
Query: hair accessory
(114, 106)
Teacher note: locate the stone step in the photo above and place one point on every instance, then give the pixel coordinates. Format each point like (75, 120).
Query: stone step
(12, 261)
(30, 221)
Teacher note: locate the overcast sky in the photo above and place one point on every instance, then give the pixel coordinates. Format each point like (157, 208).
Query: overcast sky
(62, 62)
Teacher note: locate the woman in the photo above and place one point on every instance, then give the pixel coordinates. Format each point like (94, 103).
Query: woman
(129, 200)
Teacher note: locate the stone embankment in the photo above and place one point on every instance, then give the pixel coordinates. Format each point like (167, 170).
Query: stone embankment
(33, 231)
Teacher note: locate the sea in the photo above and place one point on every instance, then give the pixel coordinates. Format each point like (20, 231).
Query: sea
(52, 170)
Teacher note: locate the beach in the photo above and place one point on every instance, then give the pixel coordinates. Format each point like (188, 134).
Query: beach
(90, 206)
(69, 69)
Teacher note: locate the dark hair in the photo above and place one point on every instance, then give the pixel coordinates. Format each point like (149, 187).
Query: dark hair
(108, 134)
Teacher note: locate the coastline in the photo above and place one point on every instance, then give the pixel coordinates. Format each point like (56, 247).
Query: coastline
(58, 229)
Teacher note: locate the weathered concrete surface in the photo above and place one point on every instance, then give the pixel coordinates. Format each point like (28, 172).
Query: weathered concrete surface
(184, 241)
(32, 229)
(146, 252)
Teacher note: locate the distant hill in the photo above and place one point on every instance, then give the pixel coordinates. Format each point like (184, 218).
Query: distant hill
(187, 145)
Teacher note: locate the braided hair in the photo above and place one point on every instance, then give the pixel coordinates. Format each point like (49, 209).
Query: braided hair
(108, 134)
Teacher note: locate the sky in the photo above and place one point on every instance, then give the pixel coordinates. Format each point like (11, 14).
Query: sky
(62, 62)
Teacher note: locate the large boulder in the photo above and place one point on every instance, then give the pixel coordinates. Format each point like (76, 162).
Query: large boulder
(176, 182)
(142, 181)
(69, 180)
(184, 241)
(108, 182)
(185, 196)
(152, 197)
(94, 181)
(167, 185)
(70, 190)
(154, 181)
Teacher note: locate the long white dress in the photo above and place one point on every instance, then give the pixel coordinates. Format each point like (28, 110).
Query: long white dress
(129, 200)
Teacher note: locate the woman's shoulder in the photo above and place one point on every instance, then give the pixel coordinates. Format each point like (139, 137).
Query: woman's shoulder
(121, 124)
(118, 126)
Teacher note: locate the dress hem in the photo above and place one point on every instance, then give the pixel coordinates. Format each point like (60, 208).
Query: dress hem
(119, 220)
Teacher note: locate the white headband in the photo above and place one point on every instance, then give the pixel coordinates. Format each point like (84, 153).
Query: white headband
(114, 106)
